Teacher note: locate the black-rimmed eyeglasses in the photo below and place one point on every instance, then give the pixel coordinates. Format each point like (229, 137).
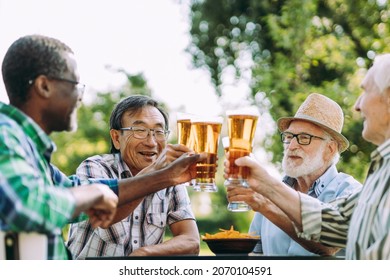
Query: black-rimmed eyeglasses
(143, 132)
(302, 138)
(79, 86)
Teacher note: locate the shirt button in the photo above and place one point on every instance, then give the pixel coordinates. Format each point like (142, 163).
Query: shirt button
(161, 223)
(135, 241)
(136, 217)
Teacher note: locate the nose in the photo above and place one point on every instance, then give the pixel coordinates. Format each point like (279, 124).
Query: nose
(357, 104)
(151, 139)
(293, 144)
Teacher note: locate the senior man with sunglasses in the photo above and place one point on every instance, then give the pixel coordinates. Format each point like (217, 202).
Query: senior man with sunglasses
(139, 131)
(312, 142)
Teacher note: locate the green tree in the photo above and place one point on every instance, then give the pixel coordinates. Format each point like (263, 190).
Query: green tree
(291, 48)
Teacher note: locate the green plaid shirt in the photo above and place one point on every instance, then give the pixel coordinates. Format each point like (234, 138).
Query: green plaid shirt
(34, 195)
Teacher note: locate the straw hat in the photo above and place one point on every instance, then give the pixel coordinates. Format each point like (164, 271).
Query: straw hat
(322, 111)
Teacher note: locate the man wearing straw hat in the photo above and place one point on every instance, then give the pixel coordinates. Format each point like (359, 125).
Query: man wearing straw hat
(361, 221)
(312, 145)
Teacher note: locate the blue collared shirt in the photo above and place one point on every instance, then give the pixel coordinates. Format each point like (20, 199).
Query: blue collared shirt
(330, 185)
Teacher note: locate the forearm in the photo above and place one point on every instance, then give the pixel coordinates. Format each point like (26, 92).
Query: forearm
(135, 188)
(281, 220)
(178, 245)
(287, 199)
(125, 210)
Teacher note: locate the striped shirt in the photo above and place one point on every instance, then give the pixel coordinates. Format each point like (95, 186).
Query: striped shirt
(145, 226)
(31, 189)
(360, 221)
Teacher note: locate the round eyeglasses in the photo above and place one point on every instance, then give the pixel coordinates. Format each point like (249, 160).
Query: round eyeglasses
(302, 138)
(143, 132)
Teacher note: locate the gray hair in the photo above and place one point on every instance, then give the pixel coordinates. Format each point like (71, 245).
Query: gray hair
(381, 75)
(336, 157)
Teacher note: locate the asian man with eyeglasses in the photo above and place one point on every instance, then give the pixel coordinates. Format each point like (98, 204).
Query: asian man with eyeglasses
(139, 132)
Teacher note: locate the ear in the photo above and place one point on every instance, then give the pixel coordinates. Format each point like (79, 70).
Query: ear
(42, 86)
(331, 149)
(115, 134)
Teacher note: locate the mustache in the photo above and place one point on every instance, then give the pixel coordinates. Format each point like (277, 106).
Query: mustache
(298, 153)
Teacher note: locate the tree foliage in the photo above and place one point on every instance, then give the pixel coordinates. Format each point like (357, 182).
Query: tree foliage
(286, 49)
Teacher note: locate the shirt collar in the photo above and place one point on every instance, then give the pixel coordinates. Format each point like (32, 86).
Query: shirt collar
(122, 168)
(319, 185)
(382, 151)
(378, 155)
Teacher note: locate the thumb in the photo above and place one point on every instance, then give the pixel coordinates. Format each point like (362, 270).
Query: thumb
(246, 161)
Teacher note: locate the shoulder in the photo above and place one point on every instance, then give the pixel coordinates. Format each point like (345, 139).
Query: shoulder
(347, 184)
(10, 129)
(97, 166)
(98, 160)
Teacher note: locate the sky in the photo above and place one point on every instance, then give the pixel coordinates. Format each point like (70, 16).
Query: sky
(148, 36)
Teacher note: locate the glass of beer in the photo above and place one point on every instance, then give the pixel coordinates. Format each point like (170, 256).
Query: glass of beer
(206, 132)
(241, 130)
(185, 138)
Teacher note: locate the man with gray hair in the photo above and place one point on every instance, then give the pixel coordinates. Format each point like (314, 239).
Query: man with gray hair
(312, 142)
(361, 221)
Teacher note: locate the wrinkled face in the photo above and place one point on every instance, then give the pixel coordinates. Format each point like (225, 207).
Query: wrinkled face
(302, 160)
(139, 153)
(374, 108)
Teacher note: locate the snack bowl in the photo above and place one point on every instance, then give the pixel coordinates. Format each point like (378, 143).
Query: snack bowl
(231, 245)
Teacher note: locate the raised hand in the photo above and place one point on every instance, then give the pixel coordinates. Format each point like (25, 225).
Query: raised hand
(168, 155)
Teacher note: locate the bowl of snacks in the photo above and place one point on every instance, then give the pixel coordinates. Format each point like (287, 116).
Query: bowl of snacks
(230, 242)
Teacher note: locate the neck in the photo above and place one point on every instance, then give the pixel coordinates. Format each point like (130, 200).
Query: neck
(32, 109)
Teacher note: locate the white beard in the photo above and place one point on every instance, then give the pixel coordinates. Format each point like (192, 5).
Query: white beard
(308, 166)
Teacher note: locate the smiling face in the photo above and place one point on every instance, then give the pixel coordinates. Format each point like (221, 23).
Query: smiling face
(306, 160)
(139, 153)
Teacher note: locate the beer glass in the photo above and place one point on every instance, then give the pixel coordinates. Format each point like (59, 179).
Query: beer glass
(241, 130)
(185, 138)
(205, 132)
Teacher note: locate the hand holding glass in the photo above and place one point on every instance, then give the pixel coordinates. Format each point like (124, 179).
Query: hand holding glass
(205, 132)
(185, 138)
(241, 129)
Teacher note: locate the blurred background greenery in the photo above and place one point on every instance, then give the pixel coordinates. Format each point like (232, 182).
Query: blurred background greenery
(285, 50)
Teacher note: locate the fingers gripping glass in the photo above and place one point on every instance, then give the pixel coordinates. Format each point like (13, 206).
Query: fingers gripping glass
(302, 138)
(143, 132)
